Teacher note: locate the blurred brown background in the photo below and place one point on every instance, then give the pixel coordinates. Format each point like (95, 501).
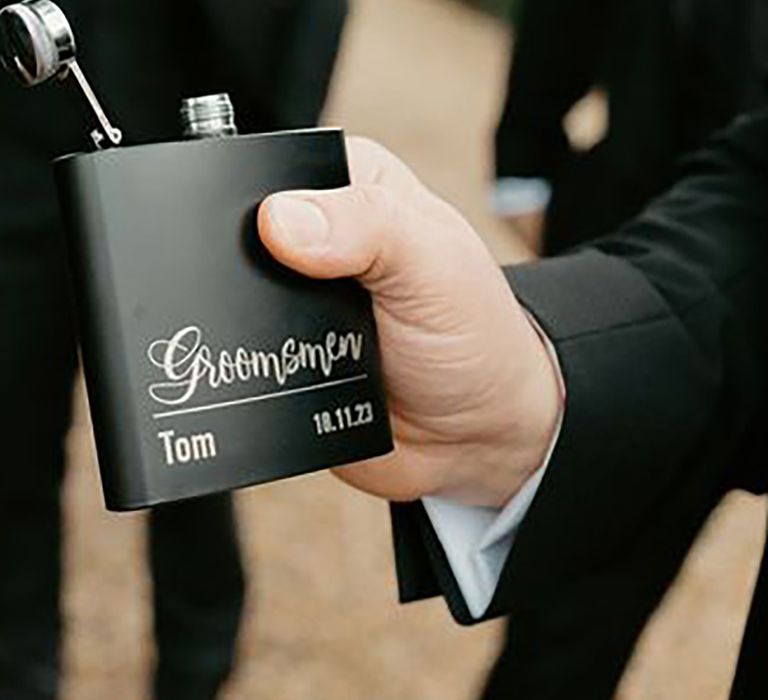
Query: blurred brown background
(425, 78)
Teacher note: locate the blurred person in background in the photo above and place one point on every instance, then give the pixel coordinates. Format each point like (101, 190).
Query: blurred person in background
(275, 59)
(671, 71)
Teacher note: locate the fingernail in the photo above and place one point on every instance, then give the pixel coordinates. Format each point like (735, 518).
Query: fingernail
(301, 223)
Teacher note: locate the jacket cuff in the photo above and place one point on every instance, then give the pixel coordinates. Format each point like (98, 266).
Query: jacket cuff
(630, 368)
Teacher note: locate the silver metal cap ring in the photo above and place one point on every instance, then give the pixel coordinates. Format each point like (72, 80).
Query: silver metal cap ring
(208, 116)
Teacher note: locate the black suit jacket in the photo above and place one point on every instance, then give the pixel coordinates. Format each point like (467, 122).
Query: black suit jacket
(673, 71)
(660, 331)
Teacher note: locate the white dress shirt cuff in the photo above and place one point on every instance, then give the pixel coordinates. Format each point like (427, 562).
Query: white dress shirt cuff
(515, 196)
(477, 540)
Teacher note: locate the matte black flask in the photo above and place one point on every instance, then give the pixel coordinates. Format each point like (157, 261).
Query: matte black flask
(208, 365)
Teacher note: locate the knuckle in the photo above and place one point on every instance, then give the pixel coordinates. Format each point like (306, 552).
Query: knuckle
(375, 196)
(364, 147)
(375, 205)
(370, 162)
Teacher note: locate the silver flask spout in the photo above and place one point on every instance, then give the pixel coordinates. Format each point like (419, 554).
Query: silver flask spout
(208, 116)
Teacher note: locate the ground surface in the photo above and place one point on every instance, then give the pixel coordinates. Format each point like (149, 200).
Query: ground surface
(423, 76)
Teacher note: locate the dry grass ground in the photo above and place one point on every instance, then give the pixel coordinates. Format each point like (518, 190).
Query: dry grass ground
(424, 77)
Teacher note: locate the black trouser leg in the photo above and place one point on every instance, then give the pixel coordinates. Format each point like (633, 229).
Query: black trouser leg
(198, 591)
(573, 640)
(37, 365)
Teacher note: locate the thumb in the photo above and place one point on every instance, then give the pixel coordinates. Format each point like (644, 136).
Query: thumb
(357, 231)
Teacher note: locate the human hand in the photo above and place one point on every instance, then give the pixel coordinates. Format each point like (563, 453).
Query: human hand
(473, 396)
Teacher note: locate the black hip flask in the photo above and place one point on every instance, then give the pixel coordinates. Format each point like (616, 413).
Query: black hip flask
(209, 366)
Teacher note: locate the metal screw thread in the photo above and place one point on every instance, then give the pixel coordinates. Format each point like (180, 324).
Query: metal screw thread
(208, 116)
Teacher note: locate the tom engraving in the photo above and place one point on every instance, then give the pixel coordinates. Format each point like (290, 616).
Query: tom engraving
(187, 362)
(186, 449)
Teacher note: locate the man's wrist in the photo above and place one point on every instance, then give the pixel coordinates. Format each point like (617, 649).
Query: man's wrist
(521, 419)
(544, 395)
(477, 541)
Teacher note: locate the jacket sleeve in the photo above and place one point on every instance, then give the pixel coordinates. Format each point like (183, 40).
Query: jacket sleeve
(556, 49)
(659, 332)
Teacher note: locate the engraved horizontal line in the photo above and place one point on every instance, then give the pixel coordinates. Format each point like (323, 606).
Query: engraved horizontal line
(260, 397)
